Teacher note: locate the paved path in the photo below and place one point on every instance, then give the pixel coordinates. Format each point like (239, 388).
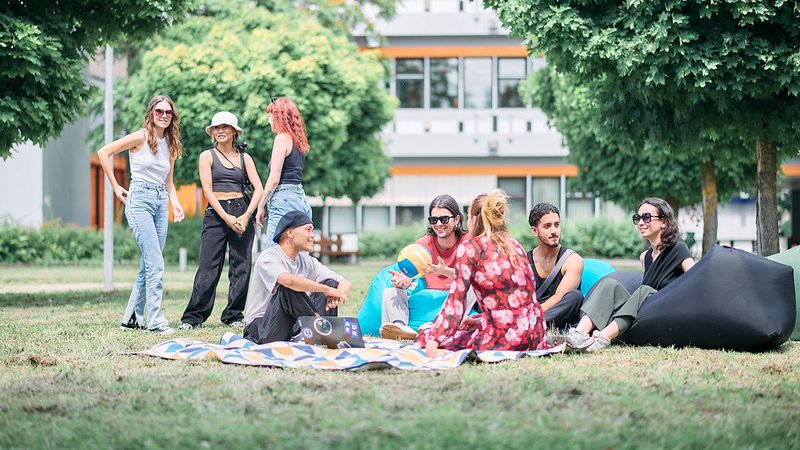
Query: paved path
(57, 287)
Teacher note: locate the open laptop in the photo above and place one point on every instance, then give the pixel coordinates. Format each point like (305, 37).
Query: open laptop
(332, 332)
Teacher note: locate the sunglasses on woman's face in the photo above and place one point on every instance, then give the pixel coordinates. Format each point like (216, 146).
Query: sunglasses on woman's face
(646, 218)
(441, 219)
(161, 112)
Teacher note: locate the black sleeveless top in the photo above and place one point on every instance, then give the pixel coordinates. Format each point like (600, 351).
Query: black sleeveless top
(551, 290)
(292, 172)
(667, 267)
(224, 179)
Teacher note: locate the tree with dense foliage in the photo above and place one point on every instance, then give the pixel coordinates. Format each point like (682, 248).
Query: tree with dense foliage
(45, 46)
(729, 67)
(237, 57)
(627, 175)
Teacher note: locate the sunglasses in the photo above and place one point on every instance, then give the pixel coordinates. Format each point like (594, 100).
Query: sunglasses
(161, 112)
(441, 219)
(646, 218)
(274, 99)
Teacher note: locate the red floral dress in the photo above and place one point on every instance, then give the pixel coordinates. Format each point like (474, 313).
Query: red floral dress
(505, 287)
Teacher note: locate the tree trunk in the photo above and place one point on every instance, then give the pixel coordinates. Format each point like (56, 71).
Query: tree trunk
(766, 197)
(708, 181)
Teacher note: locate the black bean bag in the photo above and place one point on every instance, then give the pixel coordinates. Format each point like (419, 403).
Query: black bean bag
(730, 299)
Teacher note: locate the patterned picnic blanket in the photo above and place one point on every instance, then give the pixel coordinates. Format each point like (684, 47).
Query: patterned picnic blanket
(378, 353)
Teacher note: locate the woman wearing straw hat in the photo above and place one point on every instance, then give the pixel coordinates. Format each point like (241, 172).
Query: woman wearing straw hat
(226, 173)
(284, 186)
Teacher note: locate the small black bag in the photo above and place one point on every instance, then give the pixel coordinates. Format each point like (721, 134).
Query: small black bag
(247, 187)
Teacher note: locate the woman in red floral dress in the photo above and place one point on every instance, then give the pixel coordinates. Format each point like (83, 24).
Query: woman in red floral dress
(497, 268)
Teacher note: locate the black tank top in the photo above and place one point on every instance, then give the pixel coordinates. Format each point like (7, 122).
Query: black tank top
(224, 179)
(292, 172)
(540, 279)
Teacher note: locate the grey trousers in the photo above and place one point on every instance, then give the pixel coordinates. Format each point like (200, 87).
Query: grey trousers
(610, 300)
(394, 305)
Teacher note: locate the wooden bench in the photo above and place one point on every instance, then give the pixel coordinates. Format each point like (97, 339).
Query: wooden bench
(325, 248)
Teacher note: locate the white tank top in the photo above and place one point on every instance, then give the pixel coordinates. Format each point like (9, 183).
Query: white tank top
(150, 168)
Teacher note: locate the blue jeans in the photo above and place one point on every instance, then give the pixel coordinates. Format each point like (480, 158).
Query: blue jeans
(287, 197)
(146, 211)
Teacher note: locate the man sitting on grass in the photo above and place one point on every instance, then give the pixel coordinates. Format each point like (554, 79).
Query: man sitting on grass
(283, 277)
(561, 298)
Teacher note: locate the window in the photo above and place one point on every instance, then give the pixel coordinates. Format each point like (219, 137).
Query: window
(317, 213)
(580, 208)
(546, 190)
(478, 83)
(410, 76)
(510, 71)
(342, 219)
(444, 82)
(375, 218)
(515, 189)
(409, 215)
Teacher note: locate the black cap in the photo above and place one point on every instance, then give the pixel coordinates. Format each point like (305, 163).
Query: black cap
(292, 219)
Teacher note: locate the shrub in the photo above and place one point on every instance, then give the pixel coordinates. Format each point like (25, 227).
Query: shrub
(593, 238)
(184, 234)
(387, 244)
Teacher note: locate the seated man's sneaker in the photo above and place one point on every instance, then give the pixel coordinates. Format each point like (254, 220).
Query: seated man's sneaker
(239, 325)
(131, 325)
(577, 341)
(599, 342)
(398, 332)
(187, 326)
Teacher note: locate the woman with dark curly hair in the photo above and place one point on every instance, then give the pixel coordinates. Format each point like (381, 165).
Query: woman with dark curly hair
(152, 150)
(283, 191)
(611, 309)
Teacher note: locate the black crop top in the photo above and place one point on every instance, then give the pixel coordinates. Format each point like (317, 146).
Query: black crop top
(224, 179)
(292, 172)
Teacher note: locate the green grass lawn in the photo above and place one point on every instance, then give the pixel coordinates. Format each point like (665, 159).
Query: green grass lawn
(66, 381)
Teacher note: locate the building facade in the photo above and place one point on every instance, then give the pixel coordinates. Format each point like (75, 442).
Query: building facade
(461, 127)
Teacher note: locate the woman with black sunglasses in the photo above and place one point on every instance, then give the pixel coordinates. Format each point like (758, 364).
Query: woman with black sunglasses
(152, 151)
(445, 233)
(611, 309)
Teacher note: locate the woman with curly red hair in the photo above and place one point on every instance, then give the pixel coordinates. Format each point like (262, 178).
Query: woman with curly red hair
(496, 267)
(283, 191)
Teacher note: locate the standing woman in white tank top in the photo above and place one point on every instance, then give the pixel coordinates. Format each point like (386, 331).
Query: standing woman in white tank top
(152, 151)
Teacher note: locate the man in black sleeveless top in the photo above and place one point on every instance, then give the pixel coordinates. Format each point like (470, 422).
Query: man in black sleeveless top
(561, 300)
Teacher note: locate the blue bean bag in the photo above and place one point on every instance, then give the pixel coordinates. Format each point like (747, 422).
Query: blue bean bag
(730, 299)
(593, 270)
(424, 304)
(791, 258)
(369, 316)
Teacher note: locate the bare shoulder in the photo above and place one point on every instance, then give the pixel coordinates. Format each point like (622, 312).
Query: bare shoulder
(574, 262)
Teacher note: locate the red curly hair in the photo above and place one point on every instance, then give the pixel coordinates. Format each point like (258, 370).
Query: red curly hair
(286, 118)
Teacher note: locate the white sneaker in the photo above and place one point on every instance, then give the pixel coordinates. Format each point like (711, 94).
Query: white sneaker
(398, 332)
(166, 330)
(187, 326)
(577, 341)
(239, 325)
(599, 342)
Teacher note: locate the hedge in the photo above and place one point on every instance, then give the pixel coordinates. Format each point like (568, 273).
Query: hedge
(56, 242)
